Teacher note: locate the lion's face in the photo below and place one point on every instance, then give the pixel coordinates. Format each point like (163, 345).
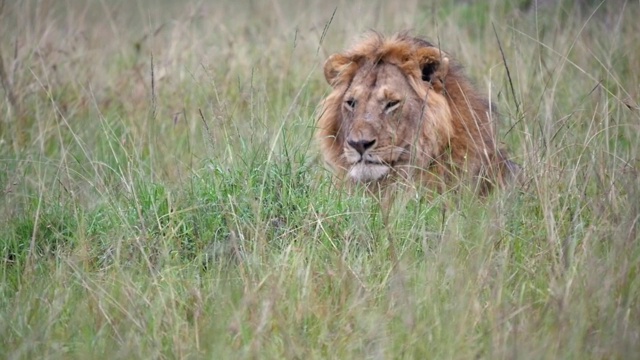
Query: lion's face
(387, 112)
(397, 108)
(380, 118)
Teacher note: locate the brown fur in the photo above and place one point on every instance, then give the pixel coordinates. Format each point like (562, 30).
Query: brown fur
(402, 107)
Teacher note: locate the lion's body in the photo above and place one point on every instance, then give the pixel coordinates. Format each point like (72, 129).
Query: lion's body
(401, 108)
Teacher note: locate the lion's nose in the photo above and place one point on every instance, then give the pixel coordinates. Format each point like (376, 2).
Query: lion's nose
(361, 145)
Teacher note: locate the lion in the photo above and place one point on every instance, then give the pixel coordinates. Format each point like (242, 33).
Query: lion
(401, 108)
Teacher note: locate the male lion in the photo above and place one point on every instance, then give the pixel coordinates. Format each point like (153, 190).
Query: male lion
(401, 107)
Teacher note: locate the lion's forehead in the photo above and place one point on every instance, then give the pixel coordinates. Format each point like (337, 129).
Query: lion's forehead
(381, 83)
(386, 89)
(379, 93)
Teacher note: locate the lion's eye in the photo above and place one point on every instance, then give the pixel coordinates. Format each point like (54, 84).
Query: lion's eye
(391, 105)
(350, 104)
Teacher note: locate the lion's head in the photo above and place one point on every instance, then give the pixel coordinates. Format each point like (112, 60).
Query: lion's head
(400, 106)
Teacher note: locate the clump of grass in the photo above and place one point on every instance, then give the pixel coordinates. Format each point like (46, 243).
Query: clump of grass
(176, 207)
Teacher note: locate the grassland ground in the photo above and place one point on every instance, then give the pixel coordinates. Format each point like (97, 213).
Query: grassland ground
(161, 194)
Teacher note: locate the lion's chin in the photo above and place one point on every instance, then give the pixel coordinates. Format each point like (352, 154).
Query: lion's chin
(367, 172)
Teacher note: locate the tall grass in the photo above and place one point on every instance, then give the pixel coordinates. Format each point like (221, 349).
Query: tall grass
(162, 195)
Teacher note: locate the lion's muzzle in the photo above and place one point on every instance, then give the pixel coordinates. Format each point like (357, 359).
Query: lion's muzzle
(366, 166)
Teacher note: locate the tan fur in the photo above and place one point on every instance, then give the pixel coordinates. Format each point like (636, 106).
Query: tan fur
(401, 107)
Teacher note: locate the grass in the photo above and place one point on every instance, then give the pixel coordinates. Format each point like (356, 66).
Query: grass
(162, 197)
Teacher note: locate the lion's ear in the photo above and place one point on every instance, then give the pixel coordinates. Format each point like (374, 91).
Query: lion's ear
(338, 67)
(434, 64)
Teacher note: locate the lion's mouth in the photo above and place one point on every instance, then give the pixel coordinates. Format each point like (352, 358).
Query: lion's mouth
(372, 167)
(368, 171)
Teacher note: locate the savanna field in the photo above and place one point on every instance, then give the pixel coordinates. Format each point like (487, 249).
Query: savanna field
(162, 193)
